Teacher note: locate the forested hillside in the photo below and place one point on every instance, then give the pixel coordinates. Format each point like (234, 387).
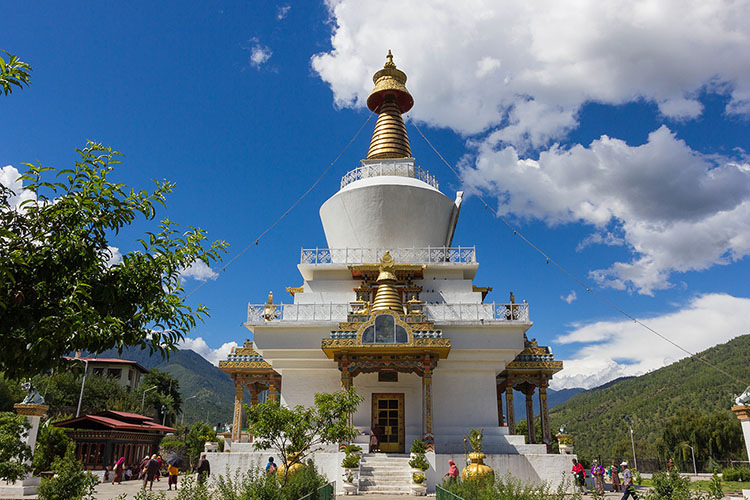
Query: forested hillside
(595, 417)
(207, 392)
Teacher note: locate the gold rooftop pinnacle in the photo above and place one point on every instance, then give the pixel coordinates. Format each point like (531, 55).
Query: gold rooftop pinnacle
(389, 99)
(387, 298)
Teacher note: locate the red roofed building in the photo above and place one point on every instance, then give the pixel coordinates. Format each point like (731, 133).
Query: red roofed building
(104, 437)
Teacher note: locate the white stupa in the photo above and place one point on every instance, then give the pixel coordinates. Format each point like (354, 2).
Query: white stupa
(390, 308)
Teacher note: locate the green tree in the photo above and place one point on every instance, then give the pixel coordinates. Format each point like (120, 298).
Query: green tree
(297, 431)
(62, 390)
(13, 451)
(51, 443)
(165, 400)
(196, 438)
(10, 393)
(14, 72)
(70, 482)
(716, 435)
(60, 290)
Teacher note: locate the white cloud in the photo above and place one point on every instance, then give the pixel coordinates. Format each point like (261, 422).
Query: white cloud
(523, 69)
(676, 209)
(612, 349)
(259, 53)
(115, 256)
(199, 271)
(212, 355)
(10, 178)
(570, 297)
(282, 11)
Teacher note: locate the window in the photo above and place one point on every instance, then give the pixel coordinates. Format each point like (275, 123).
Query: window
(114, 372)
(385, 331)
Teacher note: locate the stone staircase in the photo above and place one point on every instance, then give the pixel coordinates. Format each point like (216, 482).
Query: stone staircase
(384, 474)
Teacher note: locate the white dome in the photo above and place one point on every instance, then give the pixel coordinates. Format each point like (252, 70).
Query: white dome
(388, 211)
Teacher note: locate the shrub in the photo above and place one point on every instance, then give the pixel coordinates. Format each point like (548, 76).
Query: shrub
(70, 481)
(352, 448)
(350, 461)
(419, 462)
(52, 443)
(736, 474)
(509, 488)
(418, 446)
(255, 484)
(13, 450)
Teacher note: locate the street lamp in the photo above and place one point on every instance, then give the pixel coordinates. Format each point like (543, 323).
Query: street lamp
(183, 408)
(143, 399)
(83, 383)
(630, 422)
(164, 414)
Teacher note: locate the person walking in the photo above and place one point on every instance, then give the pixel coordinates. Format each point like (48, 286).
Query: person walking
(152, 468)
(627, 482)
(118, 470)
(203, 469)
(270, 466)
(173, 471)
(579, 473)
(597, 471)
(452, 472)
(614, 476)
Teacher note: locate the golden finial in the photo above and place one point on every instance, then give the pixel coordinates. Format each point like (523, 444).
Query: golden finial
(389, 63)
(387, 297)
(389, 99)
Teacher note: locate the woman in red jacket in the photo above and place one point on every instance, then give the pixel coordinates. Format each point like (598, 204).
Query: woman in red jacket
(579, 473)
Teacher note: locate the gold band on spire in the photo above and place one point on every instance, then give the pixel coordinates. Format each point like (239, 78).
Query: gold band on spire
(389, 99)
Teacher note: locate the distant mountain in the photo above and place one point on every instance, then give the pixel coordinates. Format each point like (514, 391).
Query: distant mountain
(554, 398)
(207, 392)
(595, 417)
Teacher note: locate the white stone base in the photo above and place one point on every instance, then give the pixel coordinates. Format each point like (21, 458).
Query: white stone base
(25, 487)
(529, 468)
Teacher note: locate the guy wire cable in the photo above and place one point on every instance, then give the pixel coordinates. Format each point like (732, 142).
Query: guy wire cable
(286, 212)
(550, 260)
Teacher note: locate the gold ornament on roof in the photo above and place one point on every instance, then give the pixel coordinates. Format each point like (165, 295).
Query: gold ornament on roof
(389, 99)
(388, 297)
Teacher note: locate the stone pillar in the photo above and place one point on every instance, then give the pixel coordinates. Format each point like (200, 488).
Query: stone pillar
(544, 415)
(239, 390)
(274, 388)
(509, 407)
(743, 413)
(427, 409)
(530, 415)
(500, 416)
(33, 414)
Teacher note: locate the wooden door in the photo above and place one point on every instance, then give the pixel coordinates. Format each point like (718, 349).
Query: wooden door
(388, 419)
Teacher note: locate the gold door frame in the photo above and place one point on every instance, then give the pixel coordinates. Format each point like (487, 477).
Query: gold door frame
(401, 445)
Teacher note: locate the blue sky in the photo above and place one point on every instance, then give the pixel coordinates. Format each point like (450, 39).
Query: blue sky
(615, 135)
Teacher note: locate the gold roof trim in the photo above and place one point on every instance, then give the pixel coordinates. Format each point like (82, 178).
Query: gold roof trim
(295, 289)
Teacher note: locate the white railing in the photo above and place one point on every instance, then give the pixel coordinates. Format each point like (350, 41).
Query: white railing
(426, 255)
(439, 313)
(400, 169)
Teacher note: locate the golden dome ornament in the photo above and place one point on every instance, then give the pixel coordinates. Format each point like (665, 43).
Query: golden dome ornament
(389, 99)
(293, 469)
(477, 469)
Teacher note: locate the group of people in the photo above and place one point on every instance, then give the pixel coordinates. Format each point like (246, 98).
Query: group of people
(598, 472)
(150, 469)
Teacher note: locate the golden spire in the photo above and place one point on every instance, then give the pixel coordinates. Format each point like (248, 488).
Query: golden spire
(389, 99)
(387, 298)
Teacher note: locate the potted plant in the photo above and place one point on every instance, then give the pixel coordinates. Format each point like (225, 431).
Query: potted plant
(349, 487)
(418, 462)
(419, 484)
(566, 443)
(350, 464)
(476, 469)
